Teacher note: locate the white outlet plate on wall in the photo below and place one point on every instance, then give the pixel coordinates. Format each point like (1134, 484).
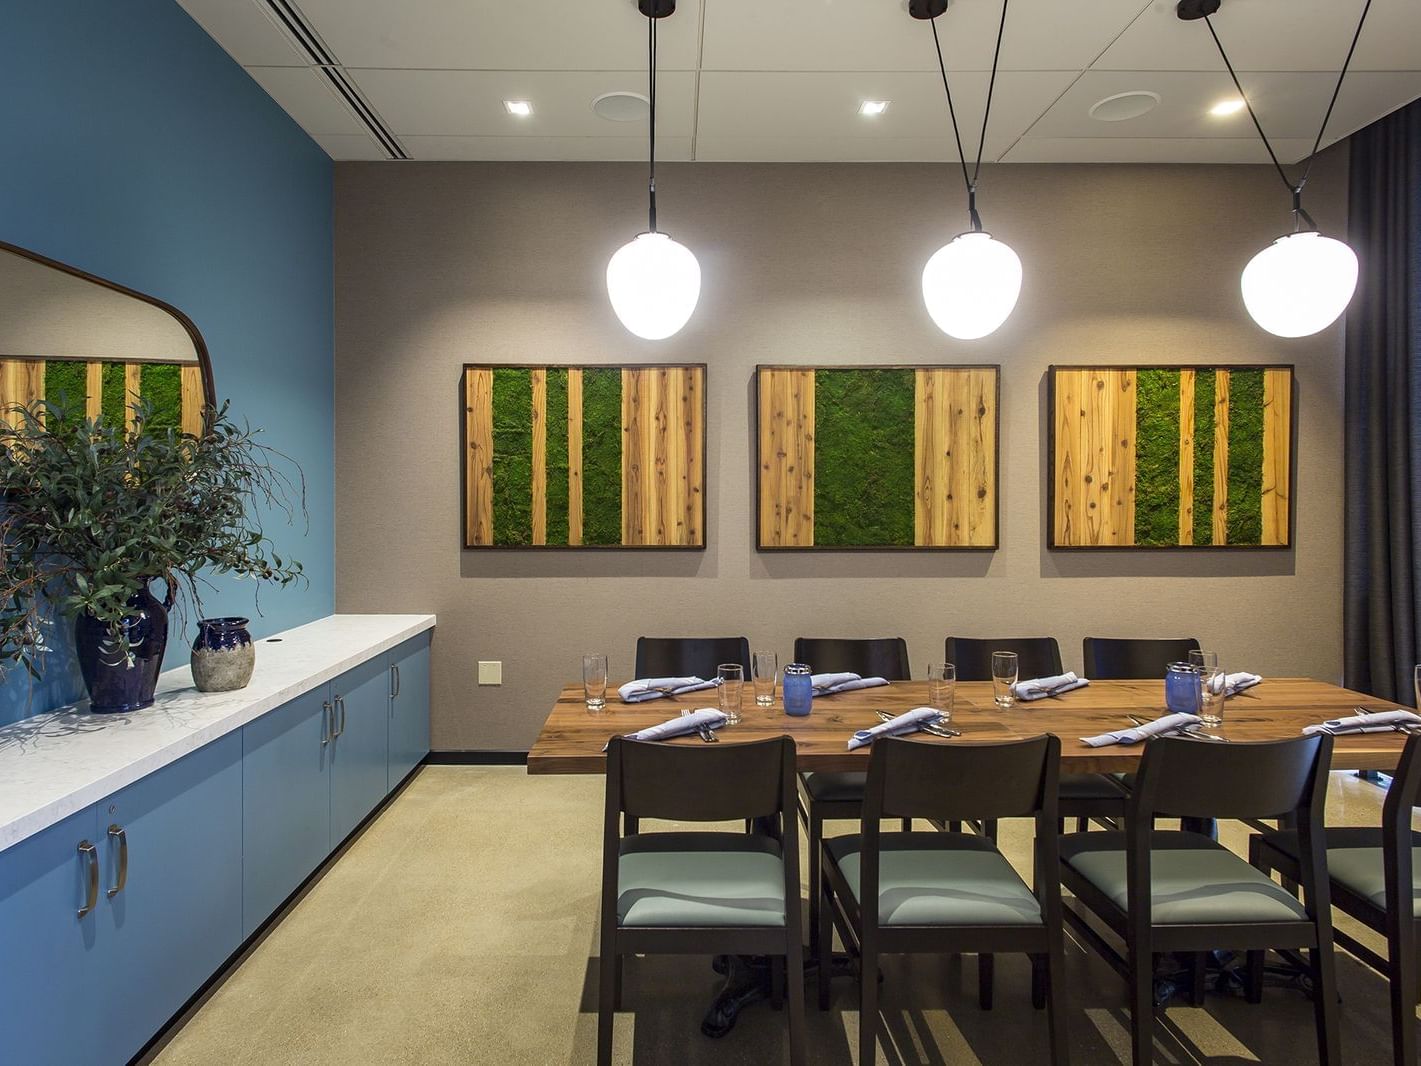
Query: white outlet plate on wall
(490, 673)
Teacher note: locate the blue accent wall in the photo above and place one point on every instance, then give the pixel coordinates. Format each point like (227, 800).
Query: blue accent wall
(134, 147)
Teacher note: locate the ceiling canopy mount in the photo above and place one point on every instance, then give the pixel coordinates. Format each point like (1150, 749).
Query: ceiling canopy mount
(926, 9)
(1192, 10)
(656, 9)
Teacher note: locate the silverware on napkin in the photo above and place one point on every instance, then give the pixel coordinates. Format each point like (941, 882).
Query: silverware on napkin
(1189, 732)
(946, 732)
(706, 732)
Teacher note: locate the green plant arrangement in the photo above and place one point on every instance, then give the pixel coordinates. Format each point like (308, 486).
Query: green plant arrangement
(93, 511)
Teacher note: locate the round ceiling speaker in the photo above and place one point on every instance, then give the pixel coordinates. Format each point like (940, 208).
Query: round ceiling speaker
(1123, 106)
(622, 106)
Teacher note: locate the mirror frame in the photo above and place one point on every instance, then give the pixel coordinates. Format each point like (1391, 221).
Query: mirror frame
(204, 360)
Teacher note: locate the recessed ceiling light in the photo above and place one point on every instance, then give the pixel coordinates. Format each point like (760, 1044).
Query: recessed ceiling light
(1123, 106)
(873, 107)
(1224, 108)
(521, 108)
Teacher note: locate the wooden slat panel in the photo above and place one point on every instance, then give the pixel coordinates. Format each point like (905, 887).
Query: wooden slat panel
(539, 380)
(94, 392)
(574, 456)
(634, 466)
(1068, 522)
(193, 398)
(1277, 444)
(693, 450)
(786, 430)
(1097, 431)
(478, 458)
(1122, 458)
(924, 454)
(1221, 457)
(21, 383)
(132, 393)
(1187, 385)
(955, 390)
(660, 520)
(982, 459)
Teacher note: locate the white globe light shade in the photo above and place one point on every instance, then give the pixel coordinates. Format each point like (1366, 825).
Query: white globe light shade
(654, 284)
(1299, 284)
(971, 284)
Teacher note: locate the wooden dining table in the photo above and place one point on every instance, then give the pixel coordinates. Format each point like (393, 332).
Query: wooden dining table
(572, 738)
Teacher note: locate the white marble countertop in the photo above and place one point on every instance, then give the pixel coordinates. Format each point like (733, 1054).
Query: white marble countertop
(52, 765)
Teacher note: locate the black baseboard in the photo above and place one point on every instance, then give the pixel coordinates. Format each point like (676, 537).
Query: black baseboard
(477, 758)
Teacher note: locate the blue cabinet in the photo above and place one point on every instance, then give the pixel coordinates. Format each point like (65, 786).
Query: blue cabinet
(409, 707)
(170, 912)
(286, 802)
(360, 750)
(46, 981)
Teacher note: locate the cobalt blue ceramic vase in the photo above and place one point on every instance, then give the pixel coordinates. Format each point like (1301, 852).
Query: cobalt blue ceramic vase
(119, 683)
(222, 655)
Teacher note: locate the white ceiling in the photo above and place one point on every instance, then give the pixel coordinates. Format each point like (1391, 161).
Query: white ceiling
(782, 80)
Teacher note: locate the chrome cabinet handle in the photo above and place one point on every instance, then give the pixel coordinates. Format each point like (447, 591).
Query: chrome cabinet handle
(326, 723)
(395, 670)
(340, 701)
(91, 898)
(117, 832)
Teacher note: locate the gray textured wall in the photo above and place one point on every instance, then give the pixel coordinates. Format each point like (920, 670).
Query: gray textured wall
(439, 264)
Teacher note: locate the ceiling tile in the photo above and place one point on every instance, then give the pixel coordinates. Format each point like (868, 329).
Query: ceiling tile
(502, 34)
(1150, 150)
(470, 102)
(1272, 35)
(550, 149)
(350, 146)
(307, 97)
(881, 35)
(245, 31)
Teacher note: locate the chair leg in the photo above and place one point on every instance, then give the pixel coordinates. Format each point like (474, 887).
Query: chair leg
(606, 1000)
(985, 971)
(868, 1005)
(1039, 964)
(1142, 1005)
(1253, 988)
(620, 964)
(1324, 1003)
(1400, 951)
(794, 975)
(907, 825)
(1056, 994)
(825, 936)
(1082, 824)
(777, 982)
(1198, 970)
(816, 834)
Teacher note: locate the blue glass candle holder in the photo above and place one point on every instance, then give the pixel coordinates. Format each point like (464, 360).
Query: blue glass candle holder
(1181, 689)
(798, 690)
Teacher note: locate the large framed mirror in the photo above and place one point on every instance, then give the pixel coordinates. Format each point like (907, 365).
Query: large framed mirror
(66, 332)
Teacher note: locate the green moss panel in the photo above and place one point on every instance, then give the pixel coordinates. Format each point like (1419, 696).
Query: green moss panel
(66, 383)
(1157, 457)
(863, 457)
(161, 386)
(602, 455)
(1245, 522)
(1204, 457)
(512, 456)
(113, 408)
(555, 426)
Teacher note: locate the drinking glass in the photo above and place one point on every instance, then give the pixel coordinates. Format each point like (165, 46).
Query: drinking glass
(732, 683)
(1004, 674)
(766, 668)
(1211, 695)
(942, 686)
(1204, 660)
(1418, 686)
(594, 681)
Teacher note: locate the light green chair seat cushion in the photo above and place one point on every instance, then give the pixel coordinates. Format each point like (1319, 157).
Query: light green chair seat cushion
(1193, 880)
(700, 879)
(1354, 859)
(940, 879)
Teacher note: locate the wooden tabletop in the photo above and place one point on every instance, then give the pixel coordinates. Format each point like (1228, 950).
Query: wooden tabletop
(572, 738)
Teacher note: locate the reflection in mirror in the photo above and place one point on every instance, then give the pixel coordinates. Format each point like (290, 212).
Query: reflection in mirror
(64, 333)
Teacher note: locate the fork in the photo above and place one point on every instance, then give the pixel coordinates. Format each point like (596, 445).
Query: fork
(1188, 731)
(706, 732)
(946, 732)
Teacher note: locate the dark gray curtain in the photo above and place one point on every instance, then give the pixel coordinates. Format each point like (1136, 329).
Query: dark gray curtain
(1382, 606)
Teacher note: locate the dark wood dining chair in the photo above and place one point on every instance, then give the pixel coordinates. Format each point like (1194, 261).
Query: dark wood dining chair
(826, 796)
(700, 892)
(689, 656)
(1374, 878)
(1082, 796)
(1176, 891)
(946, 893)
(1129, 658)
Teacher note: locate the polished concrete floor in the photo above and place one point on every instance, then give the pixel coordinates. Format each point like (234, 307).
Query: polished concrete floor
(461, 927)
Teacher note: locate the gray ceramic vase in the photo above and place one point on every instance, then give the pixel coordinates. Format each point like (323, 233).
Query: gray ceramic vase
(222, 655)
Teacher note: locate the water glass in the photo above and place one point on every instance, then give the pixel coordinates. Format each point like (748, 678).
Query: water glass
(766, 668)
(1004, 675)
(594, 681)
(1211, 695)
(1204, 660)
(732, 683)
(942, 686)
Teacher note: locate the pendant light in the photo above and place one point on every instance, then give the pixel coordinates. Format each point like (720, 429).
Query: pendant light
(1303, 281)
(652, 281)
(971, 284)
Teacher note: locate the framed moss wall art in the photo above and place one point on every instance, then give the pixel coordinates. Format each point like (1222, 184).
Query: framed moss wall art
(105, 389)
(876, 458)
(1170, 457)
(559, 456)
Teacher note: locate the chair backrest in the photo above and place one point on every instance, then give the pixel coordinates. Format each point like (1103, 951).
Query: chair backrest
(689, 656)
(1404, 793)
(1181, 778)
(700, 783)
(961, 782)
(885, 657)
(1128, 658)
(1036, 656)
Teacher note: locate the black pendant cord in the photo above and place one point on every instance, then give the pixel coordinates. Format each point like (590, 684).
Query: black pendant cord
(651, 101)
(971, 181)
(1299, 213)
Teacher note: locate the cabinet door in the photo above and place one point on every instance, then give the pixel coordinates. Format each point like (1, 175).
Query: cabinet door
(177, 914)
(286, 802)
(46, 976)
(359, 768)
(409, 709)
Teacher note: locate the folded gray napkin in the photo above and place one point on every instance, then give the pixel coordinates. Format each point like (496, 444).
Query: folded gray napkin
(1170, 723)
(656, 688)
(682, 725)
(1040, 687)
(908, 722)
(1377, 722)
(828, 684)
(1233, 684)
